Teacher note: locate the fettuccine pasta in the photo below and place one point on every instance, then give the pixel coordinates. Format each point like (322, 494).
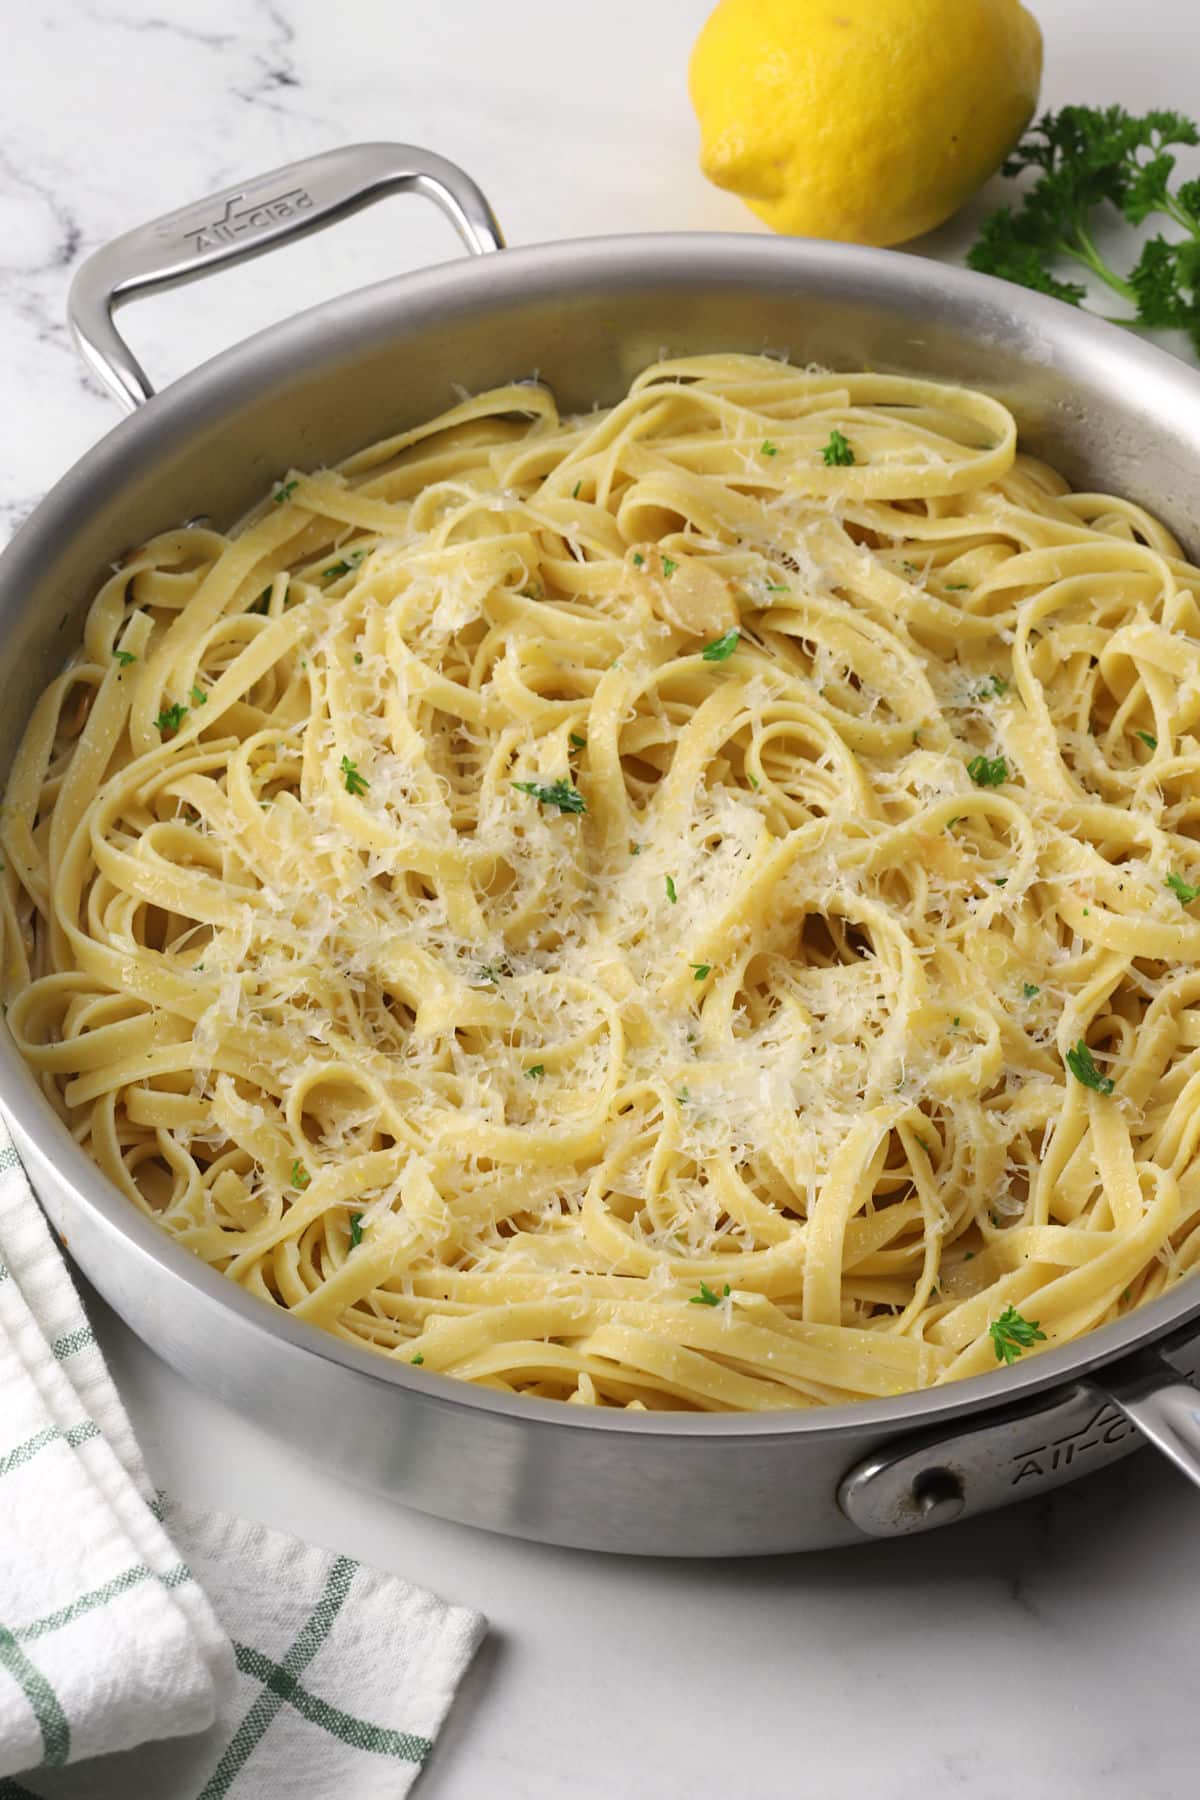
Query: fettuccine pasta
(686, 906)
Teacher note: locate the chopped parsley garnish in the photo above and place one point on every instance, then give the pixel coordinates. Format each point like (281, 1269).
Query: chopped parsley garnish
(577, 742)
(534, 1070)
(1082, 1065)
(171, 718)
(417, 1360)
(682, 1097)
(987, 771)
(700, 971)
(356, 1235)
(1148, 738)
(563, 794)
(1184, 889)
(722, 648)
(198, 696)
(957, 587)
(1029, 989)
(837, 454)
(1011, 1334)
(285, 491)
(706, 1296)
(672, 896)
(638, 559)
(300, 1175)
(1000, 880)
(777, 587)
(336, 570)
(355, 783)
(769, 449)
(358, 656)
(125, 657)
(993, 688)
(956, 820)
(575, 490)
(669, 566)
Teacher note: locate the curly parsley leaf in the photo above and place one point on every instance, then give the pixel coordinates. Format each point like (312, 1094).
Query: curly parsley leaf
(988, 771)
(1082, 1065)
(706, 1296)
(1184, 890)
(722, 648)
(171, 718)
(1011, 1335)
(355, 783)
(563, 794)
(837, 454)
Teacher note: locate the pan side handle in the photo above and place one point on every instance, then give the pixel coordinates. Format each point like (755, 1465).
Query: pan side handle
(1165, 1408)
(246, 221)
(916, 1483)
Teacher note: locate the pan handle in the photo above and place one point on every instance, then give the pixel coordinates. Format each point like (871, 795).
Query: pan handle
(248, 220)
(918, 1482)
(1165, 1408)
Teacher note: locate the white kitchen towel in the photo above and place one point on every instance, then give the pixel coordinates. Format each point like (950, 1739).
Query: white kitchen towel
(264, 1667)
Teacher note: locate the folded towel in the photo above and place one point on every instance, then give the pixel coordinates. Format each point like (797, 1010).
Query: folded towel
(261, 1666)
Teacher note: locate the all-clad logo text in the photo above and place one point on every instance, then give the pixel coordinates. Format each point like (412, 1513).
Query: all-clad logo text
(239, 220)
(1107, 1426)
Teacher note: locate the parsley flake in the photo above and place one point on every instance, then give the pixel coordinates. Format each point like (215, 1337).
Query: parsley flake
(722, 648)
(125, 657)
(837, 454)
(706, 1296)
(355, 783)
(638, 559)
(171, 718)
(700, 971)
(672, 896)
(1082, 1065)
(563, 794)
(769, 449)
(1029, 989)
(575, 490)
(1011, 1334)
(669, 566)
(988, 771)
(417, 1360)
(577, 742)
(1183, 889)
(300, 1175)
(285, 491)
(198, 696)
(534, 1070)
(356, 1234)
(1147, 738)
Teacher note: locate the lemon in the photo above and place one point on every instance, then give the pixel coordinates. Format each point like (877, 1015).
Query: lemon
(866, 120)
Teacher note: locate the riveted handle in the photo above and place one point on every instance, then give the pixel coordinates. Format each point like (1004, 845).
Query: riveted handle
(919, 1482)
(248, 220)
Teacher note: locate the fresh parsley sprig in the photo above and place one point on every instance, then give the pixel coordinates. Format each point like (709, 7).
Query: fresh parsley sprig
(706, 1296)
(1011, 1335)
(1093, 161)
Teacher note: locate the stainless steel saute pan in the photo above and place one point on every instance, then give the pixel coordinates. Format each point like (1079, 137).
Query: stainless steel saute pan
(1109, 411)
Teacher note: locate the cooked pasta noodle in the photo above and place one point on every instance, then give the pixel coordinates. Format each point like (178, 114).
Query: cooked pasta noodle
(686, 906)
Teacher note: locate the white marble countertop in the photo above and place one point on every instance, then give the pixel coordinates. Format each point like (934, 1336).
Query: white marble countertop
(1044, 1652)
